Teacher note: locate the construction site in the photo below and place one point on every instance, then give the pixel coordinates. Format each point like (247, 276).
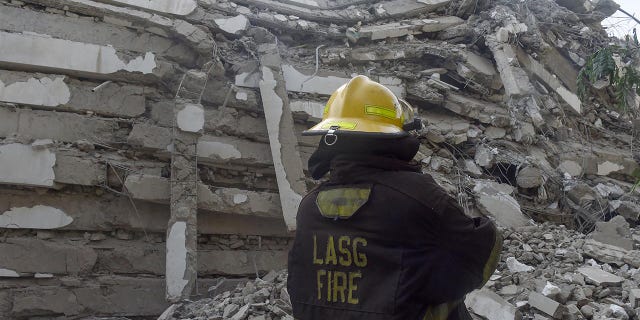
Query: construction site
(152, 162)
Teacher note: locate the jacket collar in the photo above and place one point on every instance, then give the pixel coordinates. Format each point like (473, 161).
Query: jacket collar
(352, 168)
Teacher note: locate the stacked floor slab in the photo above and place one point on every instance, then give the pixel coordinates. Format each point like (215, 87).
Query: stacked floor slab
(148, 148)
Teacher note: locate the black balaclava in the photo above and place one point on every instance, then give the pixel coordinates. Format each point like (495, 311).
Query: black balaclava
(401, 149)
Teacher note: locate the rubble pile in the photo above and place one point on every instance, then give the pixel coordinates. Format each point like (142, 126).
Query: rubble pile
(264, 298)
(149, 147)
(546, 271)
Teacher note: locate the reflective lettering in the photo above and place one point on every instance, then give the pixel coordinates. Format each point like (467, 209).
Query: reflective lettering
(329, 286)
(353, 287)
(319, 275)
(331, 252)
(345, 258)
(316, 260)
(360, 259)
(339, 285)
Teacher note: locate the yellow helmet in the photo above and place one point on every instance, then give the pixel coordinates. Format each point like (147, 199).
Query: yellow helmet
(365, 107)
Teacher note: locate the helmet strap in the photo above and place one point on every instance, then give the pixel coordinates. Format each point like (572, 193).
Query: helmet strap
(331, 134)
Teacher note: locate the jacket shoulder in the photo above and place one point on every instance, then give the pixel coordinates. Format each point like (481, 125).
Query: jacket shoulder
(420, 187)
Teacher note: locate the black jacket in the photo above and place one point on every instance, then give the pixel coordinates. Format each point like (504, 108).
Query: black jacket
(382, 241)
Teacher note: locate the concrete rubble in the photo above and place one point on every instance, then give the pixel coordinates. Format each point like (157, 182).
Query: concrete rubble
(150, 149)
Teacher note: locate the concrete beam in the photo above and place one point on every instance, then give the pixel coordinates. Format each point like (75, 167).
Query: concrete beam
(538, 69)
(228, 200)
(42, 51)
(182, 233)
(21, 164)
(282, 139)
(325, 85)
(400, 29)
(108, 213)
(80, 29)
(482, 111)
(330, 16)
(515, 80)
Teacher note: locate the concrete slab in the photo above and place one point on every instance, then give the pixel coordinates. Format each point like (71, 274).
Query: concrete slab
(81, 29)
(483, 111)
(231, 149)
(515, 80)
(491, 306)
(148, 136)
(124, 296)
(177, 7)
(21, 164)
(312, 109)
(615, 232)
(500, 206)
(199, 39)
(45, 91)
(228, 200)
(135, 256)
(546, 305)
(405, 8)
(79, 170)
(59, 92)
(39, 50)
(107, 213)
(36, 217)
(538, 69)
(25, 255)
(235, 25)
(600, 277)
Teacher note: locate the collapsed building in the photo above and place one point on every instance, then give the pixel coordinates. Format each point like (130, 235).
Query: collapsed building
(149, 148)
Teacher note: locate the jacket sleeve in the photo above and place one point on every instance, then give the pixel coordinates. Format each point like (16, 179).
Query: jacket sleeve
(469, 251)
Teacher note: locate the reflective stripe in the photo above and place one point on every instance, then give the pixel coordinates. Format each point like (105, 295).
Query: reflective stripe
(340, 124)
(380, 111)
(494, 257)
(342, 202)
(441, 311)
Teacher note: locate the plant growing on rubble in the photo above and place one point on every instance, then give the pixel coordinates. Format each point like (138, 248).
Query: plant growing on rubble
(624, 78)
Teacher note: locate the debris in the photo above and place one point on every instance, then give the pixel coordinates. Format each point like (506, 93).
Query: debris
(516, 266)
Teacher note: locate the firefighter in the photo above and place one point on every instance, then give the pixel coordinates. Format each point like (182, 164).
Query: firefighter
(379, 240)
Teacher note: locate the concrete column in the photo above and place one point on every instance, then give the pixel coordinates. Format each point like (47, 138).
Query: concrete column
(182, 232)
(282, 138)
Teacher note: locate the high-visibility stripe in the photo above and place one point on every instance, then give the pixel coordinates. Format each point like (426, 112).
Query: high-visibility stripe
(345, 125)
(493, 259)
(441, 311)
(342, 202)
(380, 111)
